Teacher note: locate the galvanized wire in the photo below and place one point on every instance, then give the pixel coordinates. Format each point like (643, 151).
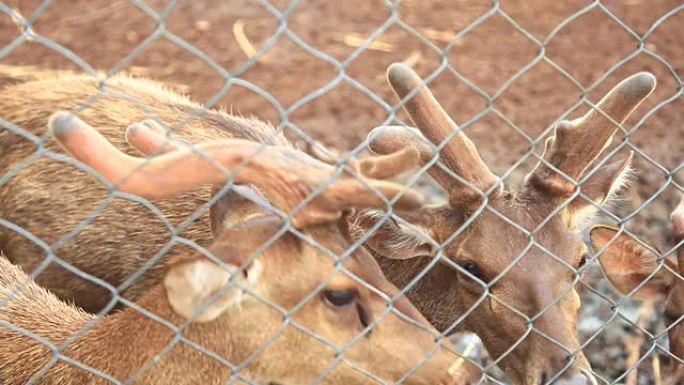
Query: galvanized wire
(230, 79)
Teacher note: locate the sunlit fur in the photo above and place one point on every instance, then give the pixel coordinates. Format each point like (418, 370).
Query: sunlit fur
(49, 199)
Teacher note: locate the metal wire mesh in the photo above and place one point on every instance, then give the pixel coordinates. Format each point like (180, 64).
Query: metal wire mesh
(654, 342)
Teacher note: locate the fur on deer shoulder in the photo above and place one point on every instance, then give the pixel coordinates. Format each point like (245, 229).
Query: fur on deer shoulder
(49, 197)
(226, 305)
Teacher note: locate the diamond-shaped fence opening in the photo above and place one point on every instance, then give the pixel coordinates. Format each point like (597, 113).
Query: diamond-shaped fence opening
(204, 245)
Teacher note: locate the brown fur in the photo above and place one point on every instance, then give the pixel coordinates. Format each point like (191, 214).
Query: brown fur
(50, 199)
(635, 270)
(121, 344)
(531, 285)
(525, 246)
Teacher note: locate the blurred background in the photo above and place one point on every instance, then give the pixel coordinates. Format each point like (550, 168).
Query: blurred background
(514, 68)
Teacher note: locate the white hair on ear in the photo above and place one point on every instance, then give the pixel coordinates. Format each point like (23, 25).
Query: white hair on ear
(409, 236)
(189, 286)
(590, 213)
(623, 180)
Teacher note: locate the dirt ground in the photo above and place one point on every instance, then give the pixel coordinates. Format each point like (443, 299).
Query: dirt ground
(523, 75)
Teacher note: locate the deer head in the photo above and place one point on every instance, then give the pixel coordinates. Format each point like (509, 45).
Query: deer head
(636, 269)
(268, 288)
(498, 262)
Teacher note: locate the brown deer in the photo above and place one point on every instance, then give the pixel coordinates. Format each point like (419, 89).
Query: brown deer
(635, 269)
(51, 198)
(494, 261)
(228, 306)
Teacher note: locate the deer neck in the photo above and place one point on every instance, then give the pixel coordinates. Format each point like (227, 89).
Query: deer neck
(131, 345)
(436, 294)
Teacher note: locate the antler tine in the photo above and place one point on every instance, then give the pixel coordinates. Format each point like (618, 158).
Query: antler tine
(578, 143)
(286, 176)
(459, 154)
(148, 138)
(393, 139)
(677, 219)
(390, 165)
(313, 148)
(88, 145)
(376, 167)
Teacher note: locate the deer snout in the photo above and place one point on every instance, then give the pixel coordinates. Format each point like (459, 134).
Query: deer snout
(580, 378)
(444, 378)
(446, 369)
(552, 365)
(574, 375)
(557, 375)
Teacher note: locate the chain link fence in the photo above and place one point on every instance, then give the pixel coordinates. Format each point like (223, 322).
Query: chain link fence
(638, 326)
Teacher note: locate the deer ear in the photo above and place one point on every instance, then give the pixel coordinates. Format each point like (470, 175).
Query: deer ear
(599, 188)
(391, 240)
(192, 288)
(236, 204)
(202, 290)
(628, 265)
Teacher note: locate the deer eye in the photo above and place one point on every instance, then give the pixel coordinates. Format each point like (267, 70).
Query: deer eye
(582, 261)
(340, 297)
(472, 268)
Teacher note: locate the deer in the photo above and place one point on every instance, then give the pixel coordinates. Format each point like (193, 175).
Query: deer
(231, 299)
(49, 197)
(529, 352)
(499, 262)
(635, 269)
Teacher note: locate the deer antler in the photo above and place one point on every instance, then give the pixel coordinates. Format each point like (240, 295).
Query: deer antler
(578, 143)
(286, 176)
(377, 167)
(394, 139)
(149, 138)
(458, 154)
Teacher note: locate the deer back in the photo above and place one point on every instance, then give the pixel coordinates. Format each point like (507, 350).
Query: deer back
(50, 199)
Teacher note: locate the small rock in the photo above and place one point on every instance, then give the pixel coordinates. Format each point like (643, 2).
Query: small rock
(589, 325)
(132, 36)
(202, 25)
